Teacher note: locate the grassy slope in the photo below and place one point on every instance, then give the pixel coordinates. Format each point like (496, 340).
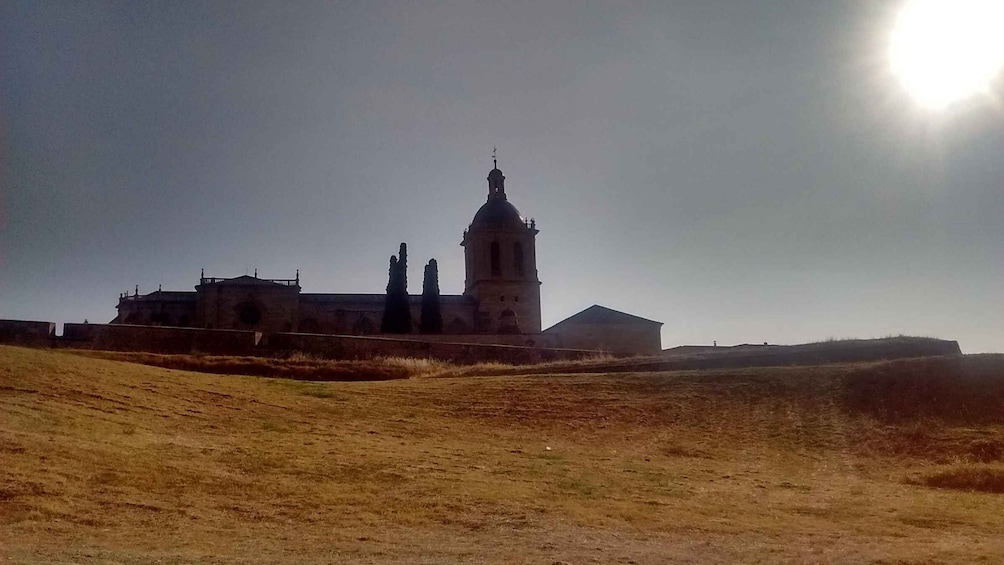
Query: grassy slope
(104, 461)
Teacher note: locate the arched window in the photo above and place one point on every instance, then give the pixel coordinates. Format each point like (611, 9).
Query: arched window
(518, 254)
(496, 259)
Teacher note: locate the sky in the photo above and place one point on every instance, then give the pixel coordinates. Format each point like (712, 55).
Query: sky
(741, 171)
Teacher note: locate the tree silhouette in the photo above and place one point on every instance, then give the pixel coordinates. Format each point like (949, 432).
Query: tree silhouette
(387, 322)
(397, 311)
(432, 316)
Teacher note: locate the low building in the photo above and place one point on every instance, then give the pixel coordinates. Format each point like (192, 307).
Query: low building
(603, 329)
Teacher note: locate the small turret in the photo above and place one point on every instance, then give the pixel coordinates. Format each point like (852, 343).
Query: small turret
(496, 183)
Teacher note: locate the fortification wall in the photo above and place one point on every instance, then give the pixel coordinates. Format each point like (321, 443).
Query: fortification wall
(361, 347)
(26, 332)
(156, 339)
(527, 340)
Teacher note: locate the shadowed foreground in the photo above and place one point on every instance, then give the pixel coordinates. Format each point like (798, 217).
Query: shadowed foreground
(104, 461)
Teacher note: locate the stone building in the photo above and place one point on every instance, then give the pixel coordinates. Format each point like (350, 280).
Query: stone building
(501, 293)
(607, 330)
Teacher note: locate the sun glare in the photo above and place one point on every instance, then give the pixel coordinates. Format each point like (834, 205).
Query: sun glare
(944, 51)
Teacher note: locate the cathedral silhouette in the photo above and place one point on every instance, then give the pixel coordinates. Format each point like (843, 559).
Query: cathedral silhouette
(501, 298)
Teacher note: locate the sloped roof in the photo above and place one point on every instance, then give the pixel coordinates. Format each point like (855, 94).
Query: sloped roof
(597, 314)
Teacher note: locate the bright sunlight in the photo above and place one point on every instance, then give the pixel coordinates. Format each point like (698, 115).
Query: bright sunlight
(944, 51)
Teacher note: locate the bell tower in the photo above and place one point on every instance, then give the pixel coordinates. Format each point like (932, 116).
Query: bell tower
(501, 264)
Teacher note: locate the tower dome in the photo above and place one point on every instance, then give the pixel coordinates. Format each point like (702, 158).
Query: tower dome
(497, 212)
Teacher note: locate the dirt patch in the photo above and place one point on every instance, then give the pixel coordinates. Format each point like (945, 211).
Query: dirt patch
(296, 369)
(960, 390)
(11, 489)
(978, 478)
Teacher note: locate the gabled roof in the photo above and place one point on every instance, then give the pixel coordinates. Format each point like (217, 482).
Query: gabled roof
(597, 314)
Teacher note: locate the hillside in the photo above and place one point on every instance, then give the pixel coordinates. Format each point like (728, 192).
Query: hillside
(690, 358)
(112, 462)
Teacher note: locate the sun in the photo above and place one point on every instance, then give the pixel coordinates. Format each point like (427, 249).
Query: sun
(944, 51)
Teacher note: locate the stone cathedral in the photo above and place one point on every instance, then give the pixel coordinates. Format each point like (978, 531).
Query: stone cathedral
(501, 297)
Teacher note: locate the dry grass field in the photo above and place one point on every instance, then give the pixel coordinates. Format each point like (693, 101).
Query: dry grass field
(105, 461)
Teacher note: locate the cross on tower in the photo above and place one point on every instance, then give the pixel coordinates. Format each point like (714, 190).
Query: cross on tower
(494, 159)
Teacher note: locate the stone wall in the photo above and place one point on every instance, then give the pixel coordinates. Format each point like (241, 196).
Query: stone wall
(617, 339)
(361, 314)
(534, 340)
(462, 349)
(154, 339)
(356, 314)
(520, 297)
(25, 332)
(509, 289)
(360, 347)
(157, 309)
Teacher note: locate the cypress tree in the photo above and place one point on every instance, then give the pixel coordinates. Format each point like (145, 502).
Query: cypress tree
(402, 266)
(432, 316)
(404, 305)
(387, 321)
(397, 311)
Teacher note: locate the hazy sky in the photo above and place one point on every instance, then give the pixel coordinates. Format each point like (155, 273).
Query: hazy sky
(742, 171)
